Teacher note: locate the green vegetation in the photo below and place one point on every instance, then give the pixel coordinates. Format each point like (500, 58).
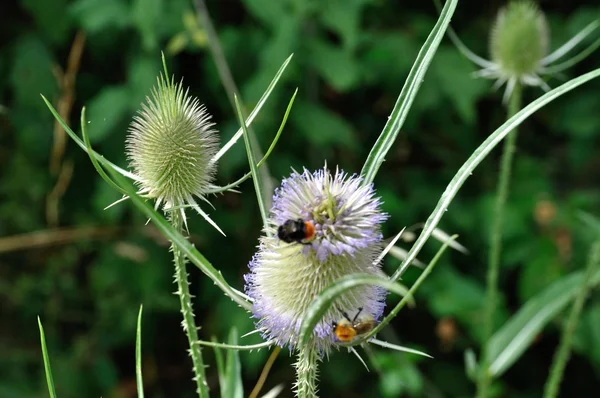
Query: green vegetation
(85, 271)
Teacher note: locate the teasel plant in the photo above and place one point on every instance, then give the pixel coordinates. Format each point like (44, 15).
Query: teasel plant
(173, 153)
(519, 41)
(339, 263)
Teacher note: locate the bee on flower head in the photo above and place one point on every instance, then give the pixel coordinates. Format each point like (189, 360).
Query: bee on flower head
(347, 329)
(298, 231)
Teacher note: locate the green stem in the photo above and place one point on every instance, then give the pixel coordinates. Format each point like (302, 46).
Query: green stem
(561, 357)
(307, 371)
(185, 300)
(484, 379)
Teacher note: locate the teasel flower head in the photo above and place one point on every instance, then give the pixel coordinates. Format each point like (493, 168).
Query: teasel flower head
(519, 44)
(170, 147)
(519, 39)
(285, 278)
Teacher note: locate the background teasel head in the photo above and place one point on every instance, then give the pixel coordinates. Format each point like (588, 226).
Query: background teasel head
(519, 39)
(170, 146)
(286, 277)
(519, 45)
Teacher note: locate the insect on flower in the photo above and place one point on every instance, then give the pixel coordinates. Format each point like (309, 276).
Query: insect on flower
(298, 231)
(341, 219)
(347, 329)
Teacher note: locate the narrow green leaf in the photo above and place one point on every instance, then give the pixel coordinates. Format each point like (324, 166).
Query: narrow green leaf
(254, 113)
(256, 177)
(267, 154)
(407, 95)
(250, 347)
(175, 237)
(563, 352)
(47, 369)
(399, 348)
(82, 145)
(138, 356)
(233, 371)
(220, 368)
(88, 145)
(515, 336)
(478, 155)
(410, 296)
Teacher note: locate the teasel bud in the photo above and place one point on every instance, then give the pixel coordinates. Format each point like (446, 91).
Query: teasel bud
(170, 145)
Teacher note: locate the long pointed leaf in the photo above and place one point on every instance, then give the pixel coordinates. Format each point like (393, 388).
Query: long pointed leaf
(81, 144)
(256, 176)
(407, 95)
(175, 236)
(221, 369)
(478, 155)
(233, 370)
(410, 296)
(139, 381)
(250, 347)
(253, 114)
(90, 151)
(47, 369)
(515, 336)
(266, 155)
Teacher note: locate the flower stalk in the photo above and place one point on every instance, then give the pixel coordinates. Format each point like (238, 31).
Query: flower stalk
(185, 300)
(307, 371)
(496, 239)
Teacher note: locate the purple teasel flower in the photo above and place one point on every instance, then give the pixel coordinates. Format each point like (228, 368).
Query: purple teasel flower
(285, 277)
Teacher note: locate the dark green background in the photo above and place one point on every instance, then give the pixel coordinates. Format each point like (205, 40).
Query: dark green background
(351, 59)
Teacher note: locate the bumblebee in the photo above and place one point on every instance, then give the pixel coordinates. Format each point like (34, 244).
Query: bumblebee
(347, 329)
(298, 231)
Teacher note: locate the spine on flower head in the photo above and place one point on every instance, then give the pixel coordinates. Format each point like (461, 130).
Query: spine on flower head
(322, 227)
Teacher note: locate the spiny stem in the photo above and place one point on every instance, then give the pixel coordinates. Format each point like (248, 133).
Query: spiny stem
(561, 357)
(496, 242)
(307, 371)
(185, 300)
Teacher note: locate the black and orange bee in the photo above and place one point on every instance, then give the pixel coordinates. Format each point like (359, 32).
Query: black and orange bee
(298, 231)
(347, 329)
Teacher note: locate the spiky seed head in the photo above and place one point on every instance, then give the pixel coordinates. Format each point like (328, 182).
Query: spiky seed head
(285, 278)
(170, 146)
(519, 39)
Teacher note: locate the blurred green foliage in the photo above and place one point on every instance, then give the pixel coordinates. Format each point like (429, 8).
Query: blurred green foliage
(86, 270)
